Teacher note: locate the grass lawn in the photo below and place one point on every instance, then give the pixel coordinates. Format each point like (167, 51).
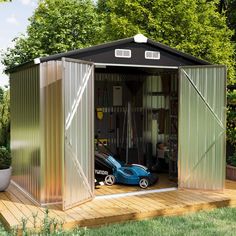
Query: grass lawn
(217, 222)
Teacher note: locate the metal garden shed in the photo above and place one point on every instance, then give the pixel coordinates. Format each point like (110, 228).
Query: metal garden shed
(59, 103)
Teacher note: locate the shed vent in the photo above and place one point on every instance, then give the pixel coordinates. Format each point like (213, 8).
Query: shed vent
(124, 53)
(154, 55)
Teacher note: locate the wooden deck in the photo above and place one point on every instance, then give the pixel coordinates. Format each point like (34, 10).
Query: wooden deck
(163, 182)
(14, 206)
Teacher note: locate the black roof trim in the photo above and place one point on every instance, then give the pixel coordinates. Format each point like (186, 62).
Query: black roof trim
(107, 45)
(73, 52)
(92, 48)
(24, 65)
(175, 51)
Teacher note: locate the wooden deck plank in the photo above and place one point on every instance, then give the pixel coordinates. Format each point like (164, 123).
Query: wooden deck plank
(60, 215)
(155, 202)
(14, 205)
(34, 210)
(15, 209)
(142, 204)
(78, 213)
(206, 197)
(54, 210)
(168, 201)
(7, 218)
(187, 199)
(28, 209)
(121, 205)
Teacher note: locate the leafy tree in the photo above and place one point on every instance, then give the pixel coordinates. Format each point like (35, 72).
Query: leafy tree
(231, 95)
(231, 120)
(223, 5)
(231, 13)
(193, 26)
(5, 119)
(1, 95)
(56, 26)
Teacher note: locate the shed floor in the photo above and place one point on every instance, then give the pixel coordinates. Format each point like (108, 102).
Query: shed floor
(163, 182)
(14, 206)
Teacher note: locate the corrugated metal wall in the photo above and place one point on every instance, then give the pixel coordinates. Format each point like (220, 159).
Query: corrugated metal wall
(202, 122)
(25, 129)
(78, 166)
(51, 131)
(37, 128)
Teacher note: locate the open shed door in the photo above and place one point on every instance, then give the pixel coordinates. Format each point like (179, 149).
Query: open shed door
(78, 163)
(202, 126)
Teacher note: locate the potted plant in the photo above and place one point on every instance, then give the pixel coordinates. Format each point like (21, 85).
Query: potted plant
(5, 168)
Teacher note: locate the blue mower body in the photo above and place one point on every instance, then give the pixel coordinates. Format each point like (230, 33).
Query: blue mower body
(133, 174)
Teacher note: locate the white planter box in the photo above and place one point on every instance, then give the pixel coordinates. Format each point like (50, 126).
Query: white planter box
(5, 177)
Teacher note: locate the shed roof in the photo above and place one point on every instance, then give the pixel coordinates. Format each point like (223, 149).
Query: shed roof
(104, 53)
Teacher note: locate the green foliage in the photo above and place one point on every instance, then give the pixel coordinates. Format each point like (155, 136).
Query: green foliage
(193, 26)
(231, 118)
(5, 158)
(1, 95)
(46, 226)
(231, 160)
(5, 118)
(56, 26)
(231, 20)
(231, 14)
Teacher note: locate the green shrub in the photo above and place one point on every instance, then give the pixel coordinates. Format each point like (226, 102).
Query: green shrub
(5, 158)
(231, 117)
(4, 118)
(231, 160)
(42, 227)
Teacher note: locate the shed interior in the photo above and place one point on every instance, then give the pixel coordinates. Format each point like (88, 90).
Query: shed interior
(136, 120)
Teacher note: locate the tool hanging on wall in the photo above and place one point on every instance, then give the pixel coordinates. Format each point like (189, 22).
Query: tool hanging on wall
(123, 129)
(99, 97)
(111, 129)
(135, 136)
(131, 133)
(117, 95)
(117, 131)
(132, 141)
(106, 108)
(99, 113)
(105, 97)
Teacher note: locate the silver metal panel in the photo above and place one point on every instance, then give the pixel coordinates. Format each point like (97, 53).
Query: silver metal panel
(202, 125)
(51, 131)
(78, 175)
(25, 130)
